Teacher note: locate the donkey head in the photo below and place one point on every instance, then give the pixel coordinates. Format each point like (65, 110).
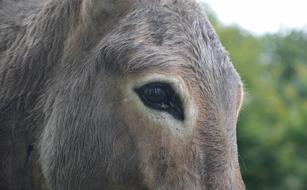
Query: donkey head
(144, 97)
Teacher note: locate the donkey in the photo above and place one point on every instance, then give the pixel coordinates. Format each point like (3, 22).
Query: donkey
(115, 95)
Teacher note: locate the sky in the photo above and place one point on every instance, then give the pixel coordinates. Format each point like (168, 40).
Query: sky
(262, 16)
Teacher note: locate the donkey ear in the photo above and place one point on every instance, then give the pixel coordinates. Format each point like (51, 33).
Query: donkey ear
(99, 11)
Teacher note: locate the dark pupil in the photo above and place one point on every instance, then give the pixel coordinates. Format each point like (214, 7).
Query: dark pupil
(156, 94)
(162, 97)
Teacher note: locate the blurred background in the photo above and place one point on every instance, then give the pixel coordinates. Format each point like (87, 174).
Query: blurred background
(267, 42)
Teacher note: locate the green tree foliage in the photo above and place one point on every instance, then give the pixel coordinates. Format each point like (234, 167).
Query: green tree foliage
(272, 128)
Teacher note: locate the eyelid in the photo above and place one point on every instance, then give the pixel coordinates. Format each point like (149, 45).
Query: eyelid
(173, 82)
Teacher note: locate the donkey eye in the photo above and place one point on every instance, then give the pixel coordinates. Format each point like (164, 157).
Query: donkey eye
(162, 97)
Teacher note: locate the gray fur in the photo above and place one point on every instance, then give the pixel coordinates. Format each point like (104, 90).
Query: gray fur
(56, 58)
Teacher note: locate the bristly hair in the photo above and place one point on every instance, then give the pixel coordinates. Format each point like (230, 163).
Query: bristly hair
(52, 54)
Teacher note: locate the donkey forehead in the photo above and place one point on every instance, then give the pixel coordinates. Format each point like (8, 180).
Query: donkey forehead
(159, 37)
